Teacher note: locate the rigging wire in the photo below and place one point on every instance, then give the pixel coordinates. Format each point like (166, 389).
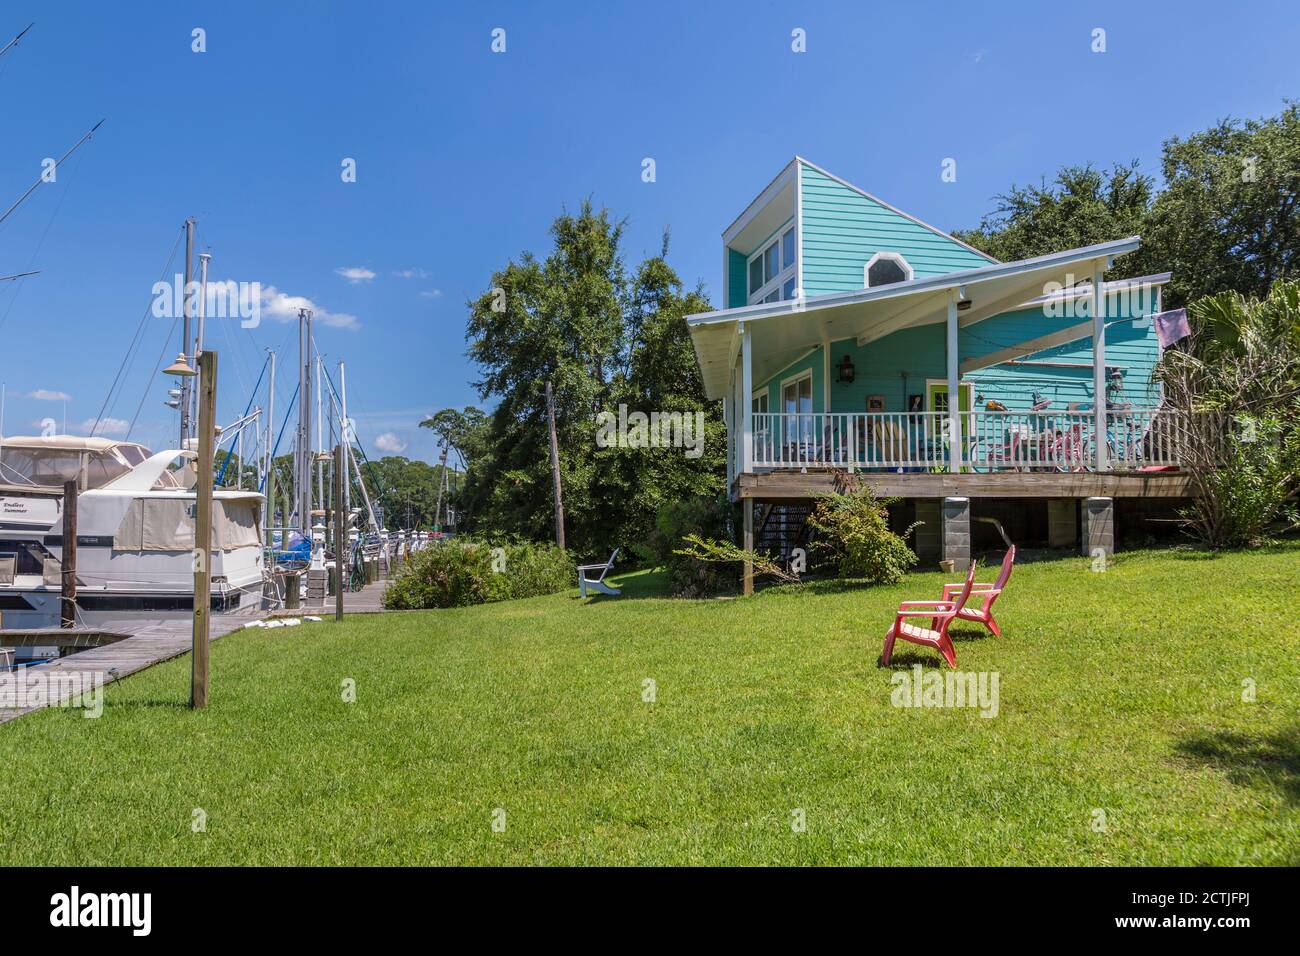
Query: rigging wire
(132, 348)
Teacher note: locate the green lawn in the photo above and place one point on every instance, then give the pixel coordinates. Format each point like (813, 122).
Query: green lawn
(1119, 691)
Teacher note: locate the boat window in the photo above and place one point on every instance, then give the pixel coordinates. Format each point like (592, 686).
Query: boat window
(133, 454)
(49, 467)
(27, 555)
(102, 467)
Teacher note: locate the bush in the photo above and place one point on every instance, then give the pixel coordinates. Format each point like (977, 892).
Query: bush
(461, 573)
(706, 517)
(852, 532)
(1248, 491)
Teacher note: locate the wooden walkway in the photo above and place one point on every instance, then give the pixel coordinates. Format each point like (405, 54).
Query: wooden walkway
(140, 644)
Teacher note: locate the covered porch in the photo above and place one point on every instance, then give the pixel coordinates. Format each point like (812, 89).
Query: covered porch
(940, 324)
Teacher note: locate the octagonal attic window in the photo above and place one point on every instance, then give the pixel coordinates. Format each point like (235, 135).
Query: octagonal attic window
(885, 268)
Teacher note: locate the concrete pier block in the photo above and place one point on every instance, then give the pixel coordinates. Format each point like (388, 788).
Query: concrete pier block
(956, 532)
(1098, 526)
(928, 544)
(1062, 522)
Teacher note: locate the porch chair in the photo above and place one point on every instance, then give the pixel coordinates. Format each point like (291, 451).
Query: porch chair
(941, 614)
(988, 593)
(598, 582)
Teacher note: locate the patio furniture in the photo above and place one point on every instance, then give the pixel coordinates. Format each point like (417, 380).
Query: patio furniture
(941, 615)
(598, 582)
(987, 593)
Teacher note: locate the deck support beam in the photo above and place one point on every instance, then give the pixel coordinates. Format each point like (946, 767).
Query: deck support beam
(954, 380)
(1099, 362)
(1098, 527)
(748, 508)
(956, 532)
(1062, 522)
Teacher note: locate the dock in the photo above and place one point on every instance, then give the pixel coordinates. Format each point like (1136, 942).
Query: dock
(129, 646)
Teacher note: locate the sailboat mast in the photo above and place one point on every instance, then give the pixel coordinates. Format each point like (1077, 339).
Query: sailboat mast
(345, 437)
(187, 390)
(302, 478)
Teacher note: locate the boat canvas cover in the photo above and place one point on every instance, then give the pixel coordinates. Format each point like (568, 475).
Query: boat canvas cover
(167, 524)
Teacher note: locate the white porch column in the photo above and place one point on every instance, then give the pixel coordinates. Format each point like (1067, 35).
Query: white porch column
(747, 400)
(726, 420)
(1099, 362)
(954, 383)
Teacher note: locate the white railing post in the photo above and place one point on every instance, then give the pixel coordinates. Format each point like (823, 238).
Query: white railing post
(747, 399)
(954, 384)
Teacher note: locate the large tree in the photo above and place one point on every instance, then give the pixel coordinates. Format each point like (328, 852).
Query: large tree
(1226, 218)
(602, 337)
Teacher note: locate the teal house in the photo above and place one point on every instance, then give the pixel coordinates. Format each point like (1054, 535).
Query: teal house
(848, 325)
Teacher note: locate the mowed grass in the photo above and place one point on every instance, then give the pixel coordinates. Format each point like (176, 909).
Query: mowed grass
(1120, 692)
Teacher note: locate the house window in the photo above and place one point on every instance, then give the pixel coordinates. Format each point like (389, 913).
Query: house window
(772, 270)
(885, 268)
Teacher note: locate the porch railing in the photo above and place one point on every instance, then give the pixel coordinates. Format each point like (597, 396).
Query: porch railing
(990, 440)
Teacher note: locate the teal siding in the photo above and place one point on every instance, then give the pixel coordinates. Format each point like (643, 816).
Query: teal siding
(899, 364)
(1131, 347)
(842, 230)
(811, 362)
(894, 367)
(736, 279)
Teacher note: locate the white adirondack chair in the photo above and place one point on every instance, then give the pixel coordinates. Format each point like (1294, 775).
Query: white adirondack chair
(598, 582)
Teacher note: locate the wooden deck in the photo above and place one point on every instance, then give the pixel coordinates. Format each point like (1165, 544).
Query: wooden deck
(129, 646)
(793, 485)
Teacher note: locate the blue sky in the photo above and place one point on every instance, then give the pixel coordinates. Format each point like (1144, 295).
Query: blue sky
(465, 156)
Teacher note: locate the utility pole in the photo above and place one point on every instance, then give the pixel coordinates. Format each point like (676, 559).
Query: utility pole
(203, 529)
(187, 389)
(68, 559)
(555, 466)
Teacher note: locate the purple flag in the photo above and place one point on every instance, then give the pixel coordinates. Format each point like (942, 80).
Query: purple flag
(1172, 327)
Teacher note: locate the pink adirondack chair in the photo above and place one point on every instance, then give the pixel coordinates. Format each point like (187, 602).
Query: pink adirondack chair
(987, 593)
(941, 614)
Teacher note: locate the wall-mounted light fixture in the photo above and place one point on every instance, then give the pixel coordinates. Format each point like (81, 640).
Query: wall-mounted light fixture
(847, 370)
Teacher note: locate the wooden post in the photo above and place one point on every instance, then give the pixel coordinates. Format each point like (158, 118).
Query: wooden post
(203, 529)
(340, 533)
(68, 591)
(749, 545)
(555, 467)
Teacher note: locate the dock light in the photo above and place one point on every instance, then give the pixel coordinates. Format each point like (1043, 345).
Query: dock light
(180, 367)
(846, 371)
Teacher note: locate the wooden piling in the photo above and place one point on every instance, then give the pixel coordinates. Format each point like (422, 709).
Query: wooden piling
(68, 580)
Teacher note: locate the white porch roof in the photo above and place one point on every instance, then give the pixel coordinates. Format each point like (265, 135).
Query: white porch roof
(781, 331)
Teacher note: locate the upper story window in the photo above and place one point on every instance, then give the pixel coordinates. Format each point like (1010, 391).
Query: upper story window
(885, 268)
(772, 270)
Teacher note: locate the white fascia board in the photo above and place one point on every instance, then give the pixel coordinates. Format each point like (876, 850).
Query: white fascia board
(760, 202)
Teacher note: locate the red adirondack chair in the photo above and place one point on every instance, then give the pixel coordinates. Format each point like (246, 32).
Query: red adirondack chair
(941, 614)
(988, 593)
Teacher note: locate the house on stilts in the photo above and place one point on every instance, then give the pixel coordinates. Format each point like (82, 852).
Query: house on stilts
(848, 326)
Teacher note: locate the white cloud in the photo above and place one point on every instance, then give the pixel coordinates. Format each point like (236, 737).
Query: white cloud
(107, 426)
(46, 395)
(432, 294)
(411, 273)
(355, 274)
(390, 443)
(282, 307)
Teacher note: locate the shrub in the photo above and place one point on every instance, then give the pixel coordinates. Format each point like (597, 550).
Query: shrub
(460, 573)
(852, 532)
(706, 517)
(1248, 490)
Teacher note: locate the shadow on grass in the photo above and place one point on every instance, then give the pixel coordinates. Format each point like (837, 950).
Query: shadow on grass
(1251, 761)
